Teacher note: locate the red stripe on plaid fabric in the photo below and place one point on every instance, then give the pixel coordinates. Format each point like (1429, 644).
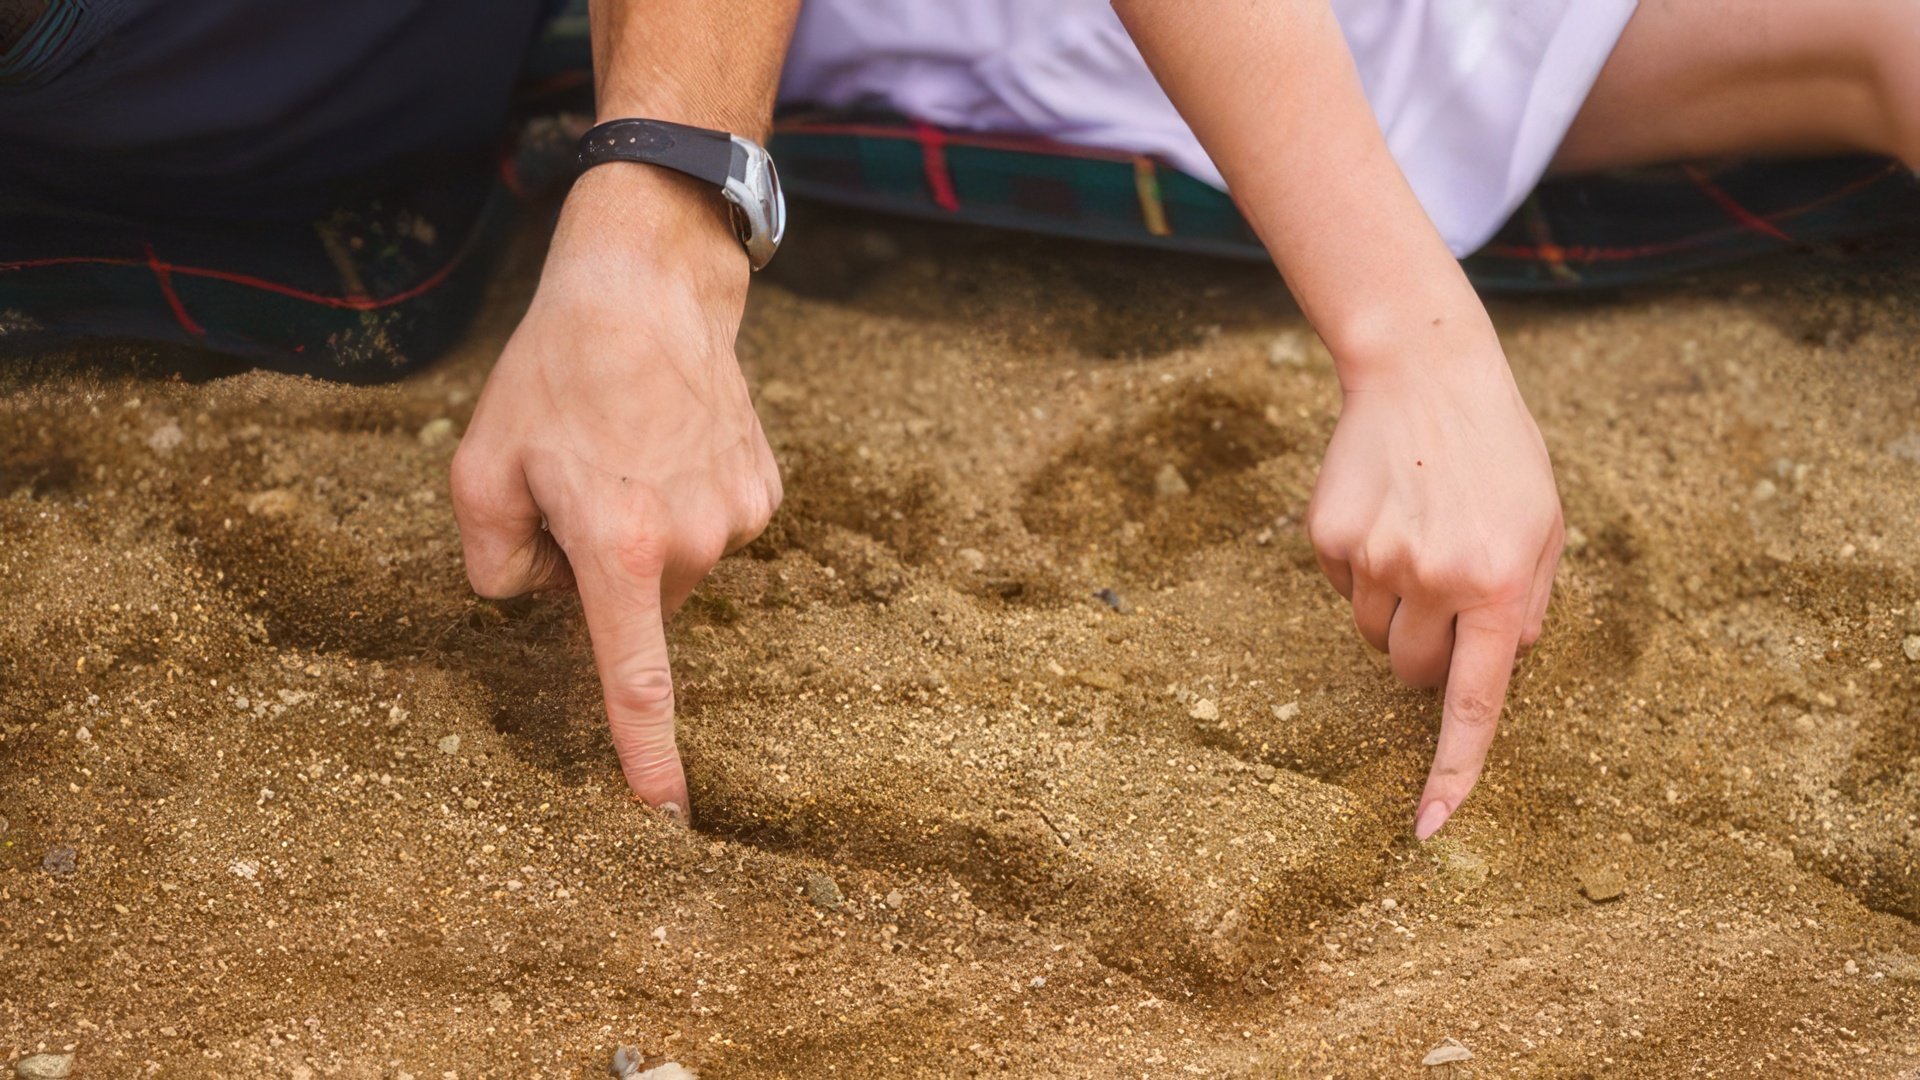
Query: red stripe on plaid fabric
(510, 177)
(1551, 252)
(1643, 251)
(180, 315)
(349, 303)
(933, 158)
(1741, 214)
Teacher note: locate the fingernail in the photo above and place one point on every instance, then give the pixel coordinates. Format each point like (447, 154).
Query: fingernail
(1432, 816)
(672, 810)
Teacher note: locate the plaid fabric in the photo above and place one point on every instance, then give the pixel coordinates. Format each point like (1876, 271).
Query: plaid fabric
(1588, 232)
(362, 295)
(374, 290)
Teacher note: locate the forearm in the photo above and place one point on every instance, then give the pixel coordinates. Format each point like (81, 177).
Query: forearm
(1271, 91)
(707, 63)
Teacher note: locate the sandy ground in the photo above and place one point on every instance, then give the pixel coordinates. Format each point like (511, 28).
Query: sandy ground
(281, 798)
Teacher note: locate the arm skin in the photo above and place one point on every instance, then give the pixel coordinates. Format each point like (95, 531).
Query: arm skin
(614, 448)
(1435, 512)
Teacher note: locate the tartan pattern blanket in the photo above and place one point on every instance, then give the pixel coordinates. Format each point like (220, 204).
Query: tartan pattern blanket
(375, 290)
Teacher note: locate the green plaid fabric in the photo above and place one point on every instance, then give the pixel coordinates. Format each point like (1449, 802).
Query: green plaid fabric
(373, 290)
(1587, 232)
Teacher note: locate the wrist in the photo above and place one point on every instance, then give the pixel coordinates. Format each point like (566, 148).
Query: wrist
(632, 221)
(1402, 338)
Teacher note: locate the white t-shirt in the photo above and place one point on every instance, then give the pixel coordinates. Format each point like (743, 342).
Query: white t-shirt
(1474, 95)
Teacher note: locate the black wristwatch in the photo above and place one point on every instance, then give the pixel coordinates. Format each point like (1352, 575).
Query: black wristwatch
(740, 168)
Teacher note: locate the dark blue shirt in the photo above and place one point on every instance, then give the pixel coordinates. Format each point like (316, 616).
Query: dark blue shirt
(249, 108)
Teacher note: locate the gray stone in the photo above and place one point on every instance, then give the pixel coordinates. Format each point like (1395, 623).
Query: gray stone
(628, 1065)
(1449, 1052)
(59, 860)
(824, 892)
(449, 744)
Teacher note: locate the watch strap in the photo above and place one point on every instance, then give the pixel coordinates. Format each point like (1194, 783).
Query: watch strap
(700, 153)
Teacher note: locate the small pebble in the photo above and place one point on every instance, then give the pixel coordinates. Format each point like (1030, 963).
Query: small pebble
(1102, 680)
(1287, 349)
(1204, 709)
(781, 392)
(44, 1067)
(1169, 484)
(1602, 883)
(500, 1003)
(449, 744)
(436, 432)
(1852, 968)
(824, 892)
(1911, 647)
(628, 1065)
(1388, 903)
(975, 561)
(59, 861)
(1115, 601)
(166, 437)
(895, 898)
(1449, 1052)
(1286, 712)
(273, 502)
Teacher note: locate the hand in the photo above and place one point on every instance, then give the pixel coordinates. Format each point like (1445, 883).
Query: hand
(1436, 515)
(614, 448)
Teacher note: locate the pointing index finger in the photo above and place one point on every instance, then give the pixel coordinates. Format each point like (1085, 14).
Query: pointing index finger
(1483, 651)
(621, 600)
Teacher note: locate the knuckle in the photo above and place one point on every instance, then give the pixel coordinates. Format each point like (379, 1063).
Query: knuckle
(1380, 560)
(640, 551)
(708, 548)
(471, 487)
(644, 692)
(1474, 708)
(1330, 532)
(1487, 577)
(757, 503)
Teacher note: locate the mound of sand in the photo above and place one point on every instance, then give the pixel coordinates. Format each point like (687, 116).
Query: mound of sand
(1029, 738)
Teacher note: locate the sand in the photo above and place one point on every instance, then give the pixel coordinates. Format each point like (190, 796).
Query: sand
(283, 799)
